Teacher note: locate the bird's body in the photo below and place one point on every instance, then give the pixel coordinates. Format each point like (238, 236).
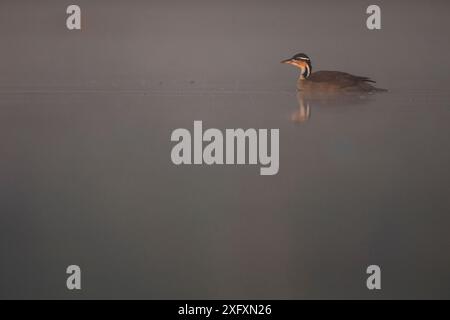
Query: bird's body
(335, 81)
(328, 81)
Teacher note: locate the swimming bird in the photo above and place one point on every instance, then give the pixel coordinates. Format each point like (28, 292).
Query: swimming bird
(328, 81)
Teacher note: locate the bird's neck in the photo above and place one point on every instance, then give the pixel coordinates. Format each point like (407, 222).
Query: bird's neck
(305, 71)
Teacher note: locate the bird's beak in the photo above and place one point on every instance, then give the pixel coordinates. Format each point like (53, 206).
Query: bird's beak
(288, 61)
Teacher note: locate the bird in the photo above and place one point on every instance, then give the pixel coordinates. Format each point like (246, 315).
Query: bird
(328, 81)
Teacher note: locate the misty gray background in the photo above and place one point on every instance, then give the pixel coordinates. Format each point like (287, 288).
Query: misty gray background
(86, 176)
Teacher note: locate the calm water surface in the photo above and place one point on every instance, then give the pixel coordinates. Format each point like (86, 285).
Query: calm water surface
(87, 178)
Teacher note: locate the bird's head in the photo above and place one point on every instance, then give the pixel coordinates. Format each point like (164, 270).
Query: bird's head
(302, 62)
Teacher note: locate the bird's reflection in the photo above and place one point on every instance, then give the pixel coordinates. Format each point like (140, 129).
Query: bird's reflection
(303, 113)
(307, 101)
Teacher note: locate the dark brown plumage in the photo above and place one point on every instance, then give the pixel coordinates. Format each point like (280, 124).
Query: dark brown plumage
(328, 81)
